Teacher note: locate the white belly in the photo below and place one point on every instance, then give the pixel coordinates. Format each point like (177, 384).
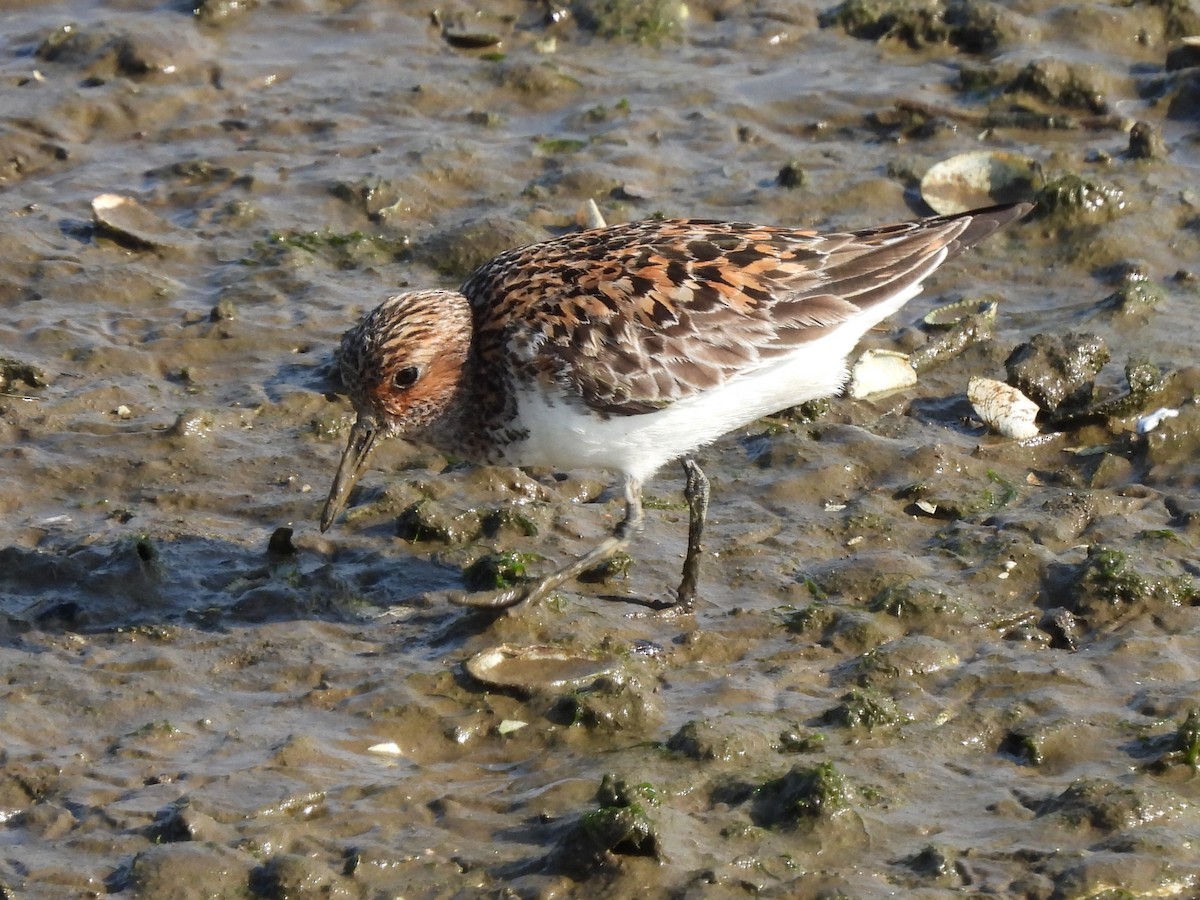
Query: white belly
(564, 434)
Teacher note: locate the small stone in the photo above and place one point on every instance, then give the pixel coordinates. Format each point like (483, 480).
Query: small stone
(223, 311)
(281, 542)
(1185, 56)
(1057, 370)
(1146, 142)
(791, 176)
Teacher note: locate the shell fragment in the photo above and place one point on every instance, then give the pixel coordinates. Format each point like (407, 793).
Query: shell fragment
(879, 371)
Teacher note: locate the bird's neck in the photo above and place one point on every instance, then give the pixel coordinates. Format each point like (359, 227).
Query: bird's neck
(473, 424)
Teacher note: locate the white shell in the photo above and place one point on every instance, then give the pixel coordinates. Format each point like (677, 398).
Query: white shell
(128, 218)
(878, 371)
(1004, 408)
(537, 667)
(979, 178)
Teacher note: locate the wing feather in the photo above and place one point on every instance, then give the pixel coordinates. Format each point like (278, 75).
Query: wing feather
(635, 317)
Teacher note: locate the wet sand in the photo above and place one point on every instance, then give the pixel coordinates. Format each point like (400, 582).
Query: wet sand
(926, 660)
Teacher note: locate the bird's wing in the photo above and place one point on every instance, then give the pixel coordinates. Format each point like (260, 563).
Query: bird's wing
(637, 317)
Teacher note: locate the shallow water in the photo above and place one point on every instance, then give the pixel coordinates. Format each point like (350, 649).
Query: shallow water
(984, 698)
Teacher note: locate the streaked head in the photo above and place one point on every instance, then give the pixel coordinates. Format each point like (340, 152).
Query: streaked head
(402, 367)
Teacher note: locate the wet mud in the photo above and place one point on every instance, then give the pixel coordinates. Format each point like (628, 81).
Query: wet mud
(926, 660)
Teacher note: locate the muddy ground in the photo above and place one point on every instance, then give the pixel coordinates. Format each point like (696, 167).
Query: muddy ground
(927, 660)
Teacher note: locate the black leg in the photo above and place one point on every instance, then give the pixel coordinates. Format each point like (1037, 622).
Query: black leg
(696, 493)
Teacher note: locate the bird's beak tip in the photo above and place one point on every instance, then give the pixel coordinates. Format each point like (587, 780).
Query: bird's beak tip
(362, 440)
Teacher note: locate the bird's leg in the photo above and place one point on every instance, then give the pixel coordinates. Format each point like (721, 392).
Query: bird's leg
(696, 493)
(622, 535)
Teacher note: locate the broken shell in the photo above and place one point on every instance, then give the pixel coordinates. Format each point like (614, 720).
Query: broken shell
(590, 216)
(1150, 421)
(471, 40)
(971, 328)
(1004, 408)
(127, 218)
(951, 314)
(537, 668)
(878, 371)
(980, 178)
(387, 748)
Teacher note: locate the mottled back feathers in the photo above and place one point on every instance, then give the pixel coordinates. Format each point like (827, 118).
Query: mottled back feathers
(635, 317)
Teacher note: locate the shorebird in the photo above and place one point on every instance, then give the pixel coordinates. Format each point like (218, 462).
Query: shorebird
(624, 348)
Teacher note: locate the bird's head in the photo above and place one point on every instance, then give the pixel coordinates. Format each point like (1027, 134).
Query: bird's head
(402, 367)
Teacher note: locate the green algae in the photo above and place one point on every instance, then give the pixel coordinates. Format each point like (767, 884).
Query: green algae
(1111, 581)
(973, 27)
(496, 571)
(801, 797)
(640, 21)
(341, 250)
(1072, 199)
(620, 826)
(864, 709)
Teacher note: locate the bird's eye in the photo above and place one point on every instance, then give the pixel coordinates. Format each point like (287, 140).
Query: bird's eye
(406, 378)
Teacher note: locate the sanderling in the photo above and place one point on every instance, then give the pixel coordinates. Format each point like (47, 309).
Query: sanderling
(626, 347)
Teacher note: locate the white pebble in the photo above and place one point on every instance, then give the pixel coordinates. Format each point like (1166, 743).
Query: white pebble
(388, 748)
